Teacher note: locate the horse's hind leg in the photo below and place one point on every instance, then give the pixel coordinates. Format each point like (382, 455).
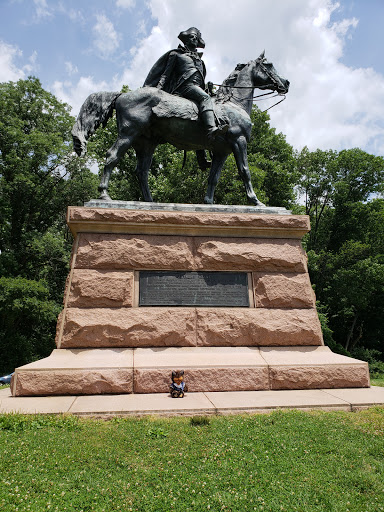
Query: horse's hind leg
(144, 152)
(114, 154)
(218, 161)
(239, 148)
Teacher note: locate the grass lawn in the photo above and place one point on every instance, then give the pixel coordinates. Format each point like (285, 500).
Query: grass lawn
(291, 460)
(377, 382)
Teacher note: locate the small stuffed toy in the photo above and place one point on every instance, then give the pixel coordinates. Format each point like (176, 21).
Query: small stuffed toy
(178, 386)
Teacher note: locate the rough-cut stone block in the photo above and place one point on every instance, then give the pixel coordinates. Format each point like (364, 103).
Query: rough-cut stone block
(76, 372)
(313, 368)
(206, 369)
(100, 288)
(110, 251)
(74, 382)
(154, 380)
(318, 377)
(128, 327)
(279, 255)
(283, 290)
(257, 327)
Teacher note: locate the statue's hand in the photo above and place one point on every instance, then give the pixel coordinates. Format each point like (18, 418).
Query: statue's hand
(161, 83)
(209, 88)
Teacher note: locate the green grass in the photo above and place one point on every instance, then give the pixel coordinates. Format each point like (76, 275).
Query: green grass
(291, 460)
(377, 382)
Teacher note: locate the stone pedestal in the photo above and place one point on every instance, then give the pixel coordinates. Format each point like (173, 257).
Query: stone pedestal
(107, 343)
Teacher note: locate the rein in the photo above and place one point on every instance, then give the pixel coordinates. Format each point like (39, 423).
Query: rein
(254, 98)
(273, 79)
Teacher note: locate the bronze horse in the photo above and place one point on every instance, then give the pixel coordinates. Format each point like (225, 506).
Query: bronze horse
(149, 116)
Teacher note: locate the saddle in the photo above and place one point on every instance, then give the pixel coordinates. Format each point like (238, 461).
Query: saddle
(182, 108)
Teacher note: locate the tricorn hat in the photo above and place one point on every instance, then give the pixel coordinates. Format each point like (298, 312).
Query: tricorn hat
(184, 35)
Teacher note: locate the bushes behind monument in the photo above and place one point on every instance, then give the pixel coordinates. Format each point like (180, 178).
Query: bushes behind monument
(27, 322)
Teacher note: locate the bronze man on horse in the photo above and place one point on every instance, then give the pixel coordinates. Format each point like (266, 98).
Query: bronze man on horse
(174, 108)
(182, 72)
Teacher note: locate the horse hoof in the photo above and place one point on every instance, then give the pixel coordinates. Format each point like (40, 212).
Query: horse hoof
(208, 200)
(104, 196)
(255, 201)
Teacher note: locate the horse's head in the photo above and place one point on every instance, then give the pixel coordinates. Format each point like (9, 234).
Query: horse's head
(265, 76)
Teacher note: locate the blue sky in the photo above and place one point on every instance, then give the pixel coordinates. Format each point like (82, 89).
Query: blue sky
(331, 51)
(364, 46)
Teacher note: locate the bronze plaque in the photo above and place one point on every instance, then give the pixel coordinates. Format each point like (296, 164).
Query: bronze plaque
(165, 288)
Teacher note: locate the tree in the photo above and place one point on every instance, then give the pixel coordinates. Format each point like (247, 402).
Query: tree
(329, 181)
(274, 159)
(27, 322)
(349, 274)
(39, 175)
(39, 178)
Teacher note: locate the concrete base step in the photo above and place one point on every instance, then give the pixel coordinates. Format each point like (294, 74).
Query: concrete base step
(207, 369)
(232, 402)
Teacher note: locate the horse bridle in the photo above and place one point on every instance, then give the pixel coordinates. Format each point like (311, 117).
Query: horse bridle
(276, 82)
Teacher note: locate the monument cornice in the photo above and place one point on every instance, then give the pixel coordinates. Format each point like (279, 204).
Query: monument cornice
(133, 217)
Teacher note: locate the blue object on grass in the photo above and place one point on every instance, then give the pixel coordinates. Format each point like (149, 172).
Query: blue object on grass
(6, 379)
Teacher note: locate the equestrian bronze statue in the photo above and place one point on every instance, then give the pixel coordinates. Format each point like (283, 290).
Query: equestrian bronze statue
(173, 106)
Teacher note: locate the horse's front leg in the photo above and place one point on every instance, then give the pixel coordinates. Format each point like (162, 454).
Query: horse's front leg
(239, 147)
(218, 161)
(114, 154)
(144, 153)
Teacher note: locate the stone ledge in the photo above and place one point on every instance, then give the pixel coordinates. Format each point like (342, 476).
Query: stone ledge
(75, 372)
(208, 369)
(209, 221)
(103, 371)
(313, 368)
(186, 207)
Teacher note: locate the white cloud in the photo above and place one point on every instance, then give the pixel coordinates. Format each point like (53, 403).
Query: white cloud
(9, 71)
(32, 66)
(106, 39)
(71, 68)
(125, 4)
(41, 9)
(75, 93)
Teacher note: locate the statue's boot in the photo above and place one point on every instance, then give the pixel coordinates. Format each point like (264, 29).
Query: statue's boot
(210, 123)
(204, 164)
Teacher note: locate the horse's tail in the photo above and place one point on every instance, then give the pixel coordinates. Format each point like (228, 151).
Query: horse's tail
(96, 110)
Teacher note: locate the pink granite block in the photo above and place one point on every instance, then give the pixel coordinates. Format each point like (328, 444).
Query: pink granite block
(206, 368)
(278, 290)
(73, 382)
(257, 327)
(319, 377)
(101, 288)
(134, 252)
(76, 372)
(128, 327)
(274, 255)
(152, 380)
(313, 368)
(113, 218)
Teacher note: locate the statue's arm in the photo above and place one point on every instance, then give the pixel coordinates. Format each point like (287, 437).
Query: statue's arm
(167, 70)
